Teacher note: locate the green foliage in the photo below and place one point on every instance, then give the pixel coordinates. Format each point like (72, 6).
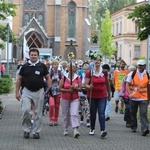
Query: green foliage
(107, 47)
(6, 9)
(1, 107)
(93, 55)
(97, 9)
(141, 15)
(5, 84)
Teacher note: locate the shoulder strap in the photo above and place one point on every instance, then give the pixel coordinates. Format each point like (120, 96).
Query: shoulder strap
(133, 74)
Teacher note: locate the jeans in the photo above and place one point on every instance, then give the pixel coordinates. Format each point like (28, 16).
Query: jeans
(127, 113)
(100, 105)
(143, 106)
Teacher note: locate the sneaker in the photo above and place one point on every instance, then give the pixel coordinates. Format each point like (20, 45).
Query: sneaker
(26, 135)
(107, 118)
(121, 112)
(66, 132)
(103, 134)
(55, 123)
(36, 135)
(145, 132)
(133, 130)
(76, 134)
(116, 109)
(81, 122)
(88, 125)
(128, 125)
(91, 132)
(51, 124)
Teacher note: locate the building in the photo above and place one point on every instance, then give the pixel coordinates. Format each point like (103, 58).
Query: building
(50, 25)
(125, 35)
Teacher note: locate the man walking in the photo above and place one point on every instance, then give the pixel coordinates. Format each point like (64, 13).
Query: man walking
(137, 82)
(31, 79)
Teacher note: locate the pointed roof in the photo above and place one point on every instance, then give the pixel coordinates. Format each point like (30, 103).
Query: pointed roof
(27, 29)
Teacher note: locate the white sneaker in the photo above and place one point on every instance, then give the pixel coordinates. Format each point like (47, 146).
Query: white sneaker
(91, 132)
(81, 122)
(103, 134)
(76, 134)
(66, 132)
(88, 125)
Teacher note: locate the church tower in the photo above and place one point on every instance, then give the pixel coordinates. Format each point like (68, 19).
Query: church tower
(50, 25)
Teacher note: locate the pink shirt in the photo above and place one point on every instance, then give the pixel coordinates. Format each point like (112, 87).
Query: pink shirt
(99, 86)
(67, 85)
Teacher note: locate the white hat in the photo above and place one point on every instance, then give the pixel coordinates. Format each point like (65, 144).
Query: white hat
(141, 62)
(131, 68)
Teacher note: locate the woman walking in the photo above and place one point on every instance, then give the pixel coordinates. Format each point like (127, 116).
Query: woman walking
(98, 82)
(70, 100)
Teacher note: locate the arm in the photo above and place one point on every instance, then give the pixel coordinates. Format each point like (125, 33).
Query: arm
(87, 84)
(108, 88)
(48, 81)
(18, 85)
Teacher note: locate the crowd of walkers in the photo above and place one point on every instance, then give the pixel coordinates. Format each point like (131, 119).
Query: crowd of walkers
(81, 89)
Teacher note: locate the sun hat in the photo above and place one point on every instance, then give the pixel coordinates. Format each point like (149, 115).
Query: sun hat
(141, 62)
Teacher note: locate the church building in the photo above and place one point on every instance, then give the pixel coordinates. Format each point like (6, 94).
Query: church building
(55, 27)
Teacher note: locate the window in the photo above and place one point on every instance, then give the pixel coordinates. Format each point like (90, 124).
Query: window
(71, 19)
(26, 19)
(137, 51)
(40, 19)
(137, 29)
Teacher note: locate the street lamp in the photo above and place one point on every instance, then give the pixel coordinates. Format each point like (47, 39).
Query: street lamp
(8, 29)
(148, 48)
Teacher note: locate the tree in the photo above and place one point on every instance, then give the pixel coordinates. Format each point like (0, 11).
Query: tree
(141, 15)
(107, 47)
(97, 10)
(6, 9)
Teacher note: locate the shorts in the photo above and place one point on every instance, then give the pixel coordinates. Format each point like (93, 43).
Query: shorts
(117, 95)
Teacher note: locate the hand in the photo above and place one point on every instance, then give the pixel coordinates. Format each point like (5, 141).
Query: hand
(70, 90)
(130, 96)
(18, 96)
(109, 97)
(91, 86)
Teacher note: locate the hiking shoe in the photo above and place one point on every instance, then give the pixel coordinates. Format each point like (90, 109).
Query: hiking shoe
(134, 130)
(88, 125)
(116, 109)
(51, 124)
(107, 118)
(36, 135)
(55, 123)
(76, 134)
(128, 125)
(121, 112)
(145, 132)
(91, 132)
(26, 135)
(81, 122)
(66, 132)
(103, 134)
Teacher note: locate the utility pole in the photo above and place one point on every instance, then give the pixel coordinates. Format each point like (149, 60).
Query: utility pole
(8, 28)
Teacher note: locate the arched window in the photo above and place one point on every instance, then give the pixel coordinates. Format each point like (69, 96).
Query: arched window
(26, 19)
(40, 19)
(71, 19)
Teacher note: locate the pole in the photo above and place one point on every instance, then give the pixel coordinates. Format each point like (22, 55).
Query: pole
(0, 63)
(8, 48)
(148, 48)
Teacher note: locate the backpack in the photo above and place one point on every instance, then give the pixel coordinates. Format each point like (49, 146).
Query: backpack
(134, 72)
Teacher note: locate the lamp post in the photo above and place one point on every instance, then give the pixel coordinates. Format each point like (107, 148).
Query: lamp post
(8, 29)
(148, 48)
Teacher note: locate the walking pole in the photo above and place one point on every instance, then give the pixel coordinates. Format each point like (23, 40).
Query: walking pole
(70, 57)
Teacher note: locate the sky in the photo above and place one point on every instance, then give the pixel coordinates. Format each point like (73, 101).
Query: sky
(140, 0)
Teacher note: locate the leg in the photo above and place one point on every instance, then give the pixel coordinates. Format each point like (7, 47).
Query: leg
(107, 110)
(134, 109)
(116, 100)
(65, 112)
(51, 110)
(57, 104)
(143, 106)
(93, 111)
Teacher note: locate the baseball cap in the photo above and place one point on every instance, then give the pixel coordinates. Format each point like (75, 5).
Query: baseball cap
(141, 62)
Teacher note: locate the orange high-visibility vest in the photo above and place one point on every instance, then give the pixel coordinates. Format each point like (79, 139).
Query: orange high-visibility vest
(118, 76)
(139, 87)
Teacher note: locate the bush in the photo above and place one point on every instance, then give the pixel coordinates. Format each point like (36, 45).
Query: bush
(5, 84)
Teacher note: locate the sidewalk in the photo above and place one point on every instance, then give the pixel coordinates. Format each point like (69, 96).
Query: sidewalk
(119, 137)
